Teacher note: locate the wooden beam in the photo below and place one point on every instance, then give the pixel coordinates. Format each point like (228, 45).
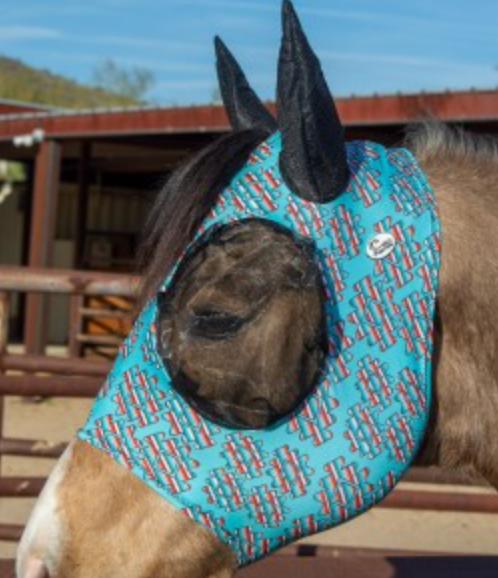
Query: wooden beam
(4, 336)
(43, 228)
(475, 106)
(82, 204)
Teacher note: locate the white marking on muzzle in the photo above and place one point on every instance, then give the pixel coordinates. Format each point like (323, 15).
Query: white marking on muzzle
(40, 542)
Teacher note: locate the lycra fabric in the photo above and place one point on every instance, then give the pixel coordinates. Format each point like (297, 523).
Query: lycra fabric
(349, 443)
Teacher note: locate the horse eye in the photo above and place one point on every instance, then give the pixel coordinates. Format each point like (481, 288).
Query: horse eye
(212, 324)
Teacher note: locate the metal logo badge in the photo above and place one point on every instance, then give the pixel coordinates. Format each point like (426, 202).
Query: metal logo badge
(380, 246)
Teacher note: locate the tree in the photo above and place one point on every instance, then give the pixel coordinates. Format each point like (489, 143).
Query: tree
(18, 81)
(131, 83)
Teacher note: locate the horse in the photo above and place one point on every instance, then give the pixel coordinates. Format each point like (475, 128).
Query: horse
(94, 518)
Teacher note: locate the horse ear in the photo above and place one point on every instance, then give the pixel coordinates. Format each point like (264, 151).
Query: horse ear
(313, 160)
(245, 110)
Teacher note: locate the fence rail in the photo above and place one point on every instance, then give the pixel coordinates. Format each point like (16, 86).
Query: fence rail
(65, 281)
(330, 562)
(58, 365)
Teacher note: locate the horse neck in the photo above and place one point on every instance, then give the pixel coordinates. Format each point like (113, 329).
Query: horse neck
(463, 172)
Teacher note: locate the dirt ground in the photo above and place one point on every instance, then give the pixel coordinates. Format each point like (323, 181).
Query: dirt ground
(57, 420)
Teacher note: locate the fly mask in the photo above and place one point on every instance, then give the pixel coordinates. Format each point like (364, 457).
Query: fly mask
(369, 217)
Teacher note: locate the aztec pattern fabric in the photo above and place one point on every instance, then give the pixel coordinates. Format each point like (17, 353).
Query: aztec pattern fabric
(348, 445)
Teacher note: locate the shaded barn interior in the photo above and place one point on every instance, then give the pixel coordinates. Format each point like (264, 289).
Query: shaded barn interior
(80, 194)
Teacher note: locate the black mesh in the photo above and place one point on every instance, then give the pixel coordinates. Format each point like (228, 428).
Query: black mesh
(241, 328)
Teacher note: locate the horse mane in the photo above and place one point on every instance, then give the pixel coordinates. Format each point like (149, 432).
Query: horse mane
(185, 199)
(432, 140)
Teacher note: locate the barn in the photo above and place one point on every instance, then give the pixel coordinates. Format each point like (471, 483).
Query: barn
(86, 178)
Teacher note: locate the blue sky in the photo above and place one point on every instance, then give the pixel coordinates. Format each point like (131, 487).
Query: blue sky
(365, 46)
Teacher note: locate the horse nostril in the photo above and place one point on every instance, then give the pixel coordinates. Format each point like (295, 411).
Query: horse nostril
(35, 568)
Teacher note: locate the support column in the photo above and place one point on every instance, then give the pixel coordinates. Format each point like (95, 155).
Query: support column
(4, 338)
(82, 203)
(43, 227)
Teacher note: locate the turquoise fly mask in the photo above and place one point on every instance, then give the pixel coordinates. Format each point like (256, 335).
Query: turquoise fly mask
(367, 215)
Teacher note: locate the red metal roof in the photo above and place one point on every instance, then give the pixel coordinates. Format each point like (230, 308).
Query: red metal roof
(8, 106)
(470, 105)
(461, 106)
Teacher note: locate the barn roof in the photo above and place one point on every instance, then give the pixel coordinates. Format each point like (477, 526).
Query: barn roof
(375, 110)
(9, 106)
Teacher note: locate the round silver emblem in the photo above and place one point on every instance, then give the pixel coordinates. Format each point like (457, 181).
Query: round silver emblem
(381, 246)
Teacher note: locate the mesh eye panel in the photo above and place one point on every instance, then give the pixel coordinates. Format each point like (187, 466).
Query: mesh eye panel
(242, 326)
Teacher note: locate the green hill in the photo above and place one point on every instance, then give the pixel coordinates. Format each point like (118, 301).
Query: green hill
(19, 81)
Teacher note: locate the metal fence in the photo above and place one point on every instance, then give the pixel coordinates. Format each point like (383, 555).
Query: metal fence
(35, 375)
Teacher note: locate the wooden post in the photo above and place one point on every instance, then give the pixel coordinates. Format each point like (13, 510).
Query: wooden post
(4, 336)
(75, 325)
(82, 203)
(43, 226)
(26, 225)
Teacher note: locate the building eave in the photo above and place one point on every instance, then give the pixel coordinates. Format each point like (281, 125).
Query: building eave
(375, 110)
